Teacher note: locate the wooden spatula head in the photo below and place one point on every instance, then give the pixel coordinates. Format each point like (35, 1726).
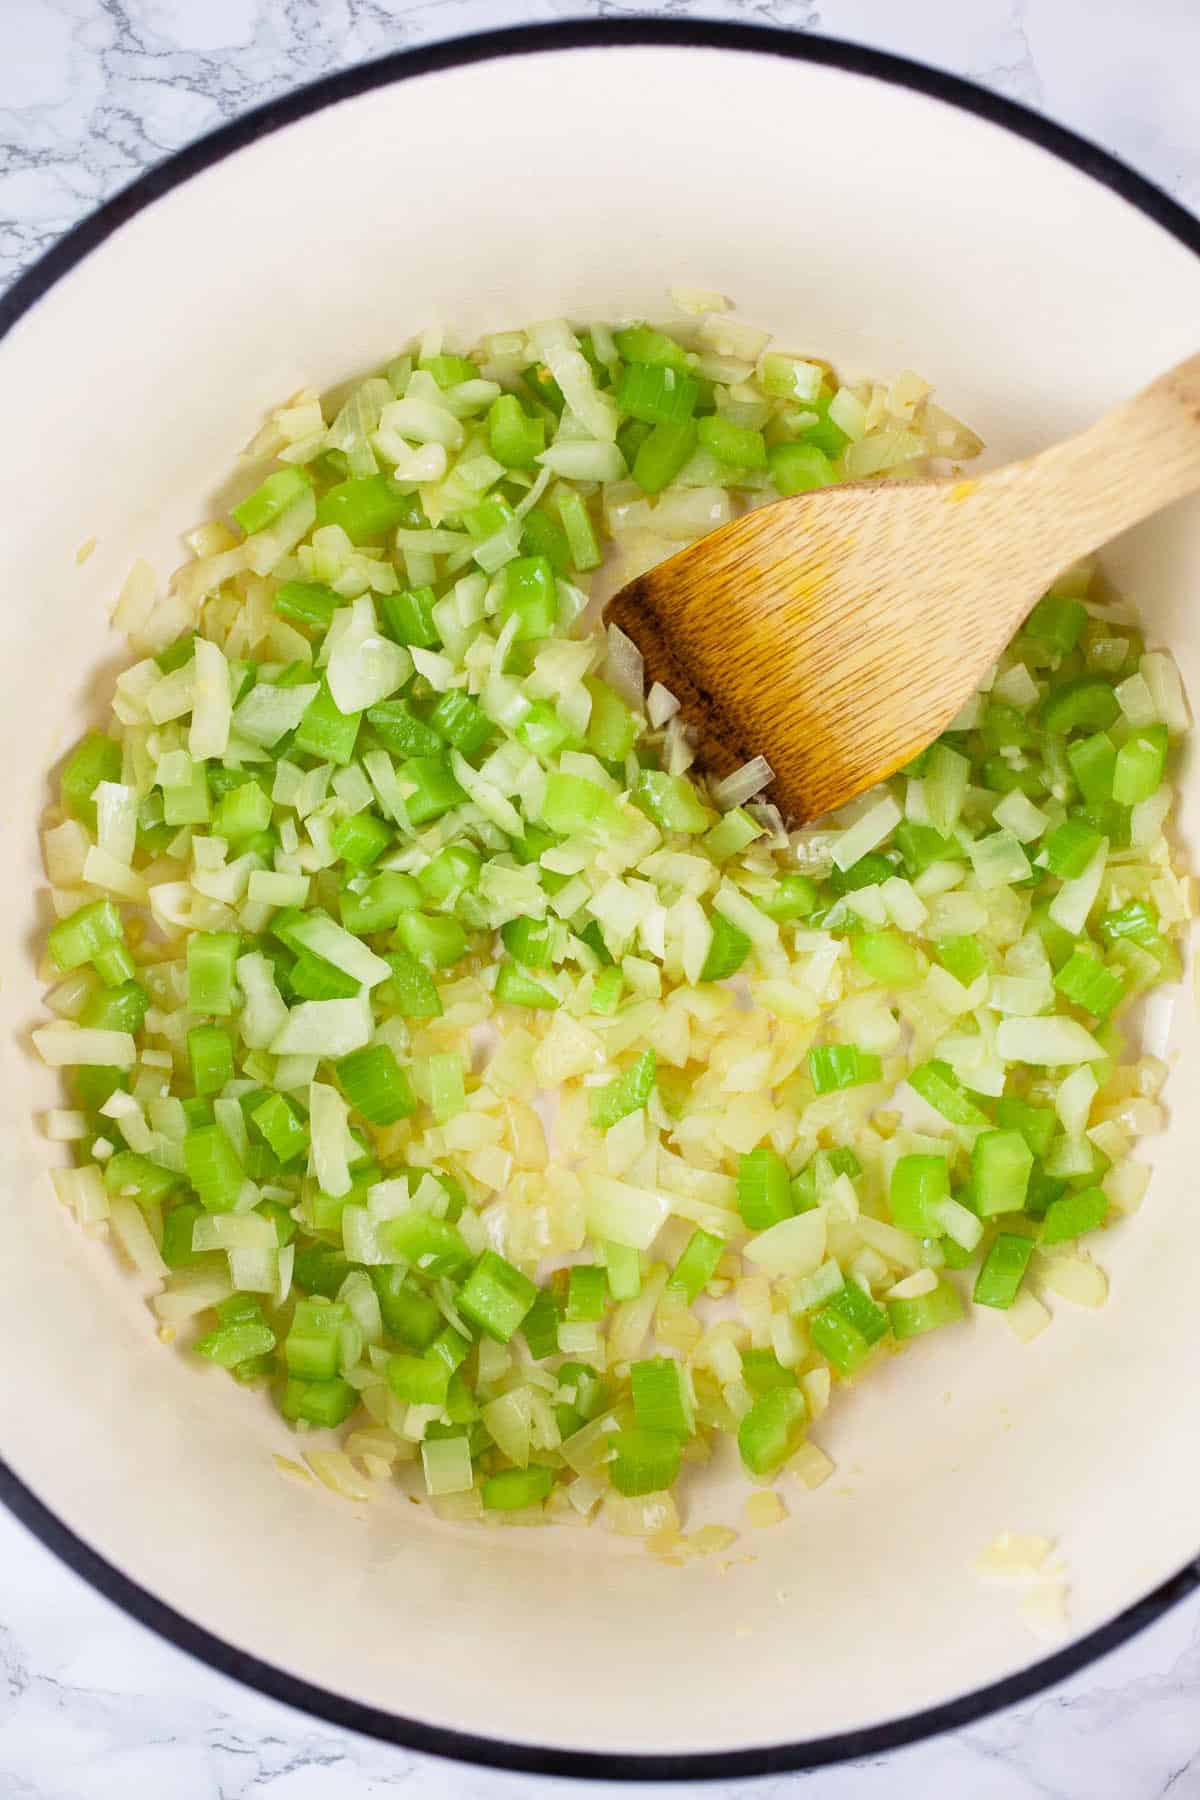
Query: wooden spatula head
(838, 632)
(826, 632)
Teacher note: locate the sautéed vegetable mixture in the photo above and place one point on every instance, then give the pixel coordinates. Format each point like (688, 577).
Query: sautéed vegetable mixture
(481, 1082)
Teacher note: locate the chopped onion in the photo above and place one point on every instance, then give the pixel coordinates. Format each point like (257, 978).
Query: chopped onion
(65, 1046)
(212, 706)
(323, 1028)
(868, 831)
(793, 1247)
(743, 784)
(624, 669)
(1048, 1043)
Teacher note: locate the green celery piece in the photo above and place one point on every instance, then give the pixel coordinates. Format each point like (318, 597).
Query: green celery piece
(940, 1087)
(657, 394)
(326, 1403)
(964, 957)
(580, 533)
(361, 839)
(375, 903)
(1059, 620)
(607, 992)
(540, 1325)
(178, 1225)
(839, 1341)
(1087, 983)
(1070, 847)
(1005, 727)
(418, 1380)
(771, 1430)
(612, 728)
(921, 846)
(919, 1185)
(432, 789)
(1003, 1269)
(660, 1397)
(129, 1173)
(826, 434)
(859, 1310)
(408, 618)
(366, 506)
(409, 1315)
(868, 871)
(1072, 1214)
(117, 1009)
(325, 732)
(798, 468)
(643, 344)
(697, 1266)
(587, 1293)
(432, 939)
(764, 1194)
(515, 439)
(76, 939)
(411, 990)
(308, 604)
(211, 956)
(95, 758)
(431, 1246)
(530, 941)
(515, 988)
(887, 957)
(1037, 1124)
(762, 1371)
(1001, 1162)
(496, 1297)
(794, 896)
(1081, 703)
(213, 1168)
(243, 811)
(114, 965)
(543, 536)
(375, 1085)
(400, 731)
(672, 802)
(321, 1269)
(448, 371)
(530, 594)
(727, 952)
(835, 1066)
(645, 1462)
(210, 1052)
(1140, 764)
(663, 454)
(232, 1344)
(1093, 763)
(448, 875)
(268, 502)
(512, 1490)
(627, 1094)
(312, 978)
(910, 1318)
(460, 722)
(734, 445)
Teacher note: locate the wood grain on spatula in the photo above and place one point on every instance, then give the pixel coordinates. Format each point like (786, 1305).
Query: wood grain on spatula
(838, 632)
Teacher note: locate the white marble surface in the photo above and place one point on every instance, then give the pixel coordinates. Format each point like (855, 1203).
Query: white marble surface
(92, 1706)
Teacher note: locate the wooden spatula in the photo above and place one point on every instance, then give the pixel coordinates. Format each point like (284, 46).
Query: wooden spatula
(838, 632)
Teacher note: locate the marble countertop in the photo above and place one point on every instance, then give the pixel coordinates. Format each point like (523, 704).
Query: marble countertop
(91, 91)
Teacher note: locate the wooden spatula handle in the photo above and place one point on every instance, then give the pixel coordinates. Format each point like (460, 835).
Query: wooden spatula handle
(1070, 499)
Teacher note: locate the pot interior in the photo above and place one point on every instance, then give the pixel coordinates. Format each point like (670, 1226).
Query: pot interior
(858, 220)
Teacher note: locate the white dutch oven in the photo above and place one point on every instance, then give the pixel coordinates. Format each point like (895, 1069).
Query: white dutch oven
(861, 207)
